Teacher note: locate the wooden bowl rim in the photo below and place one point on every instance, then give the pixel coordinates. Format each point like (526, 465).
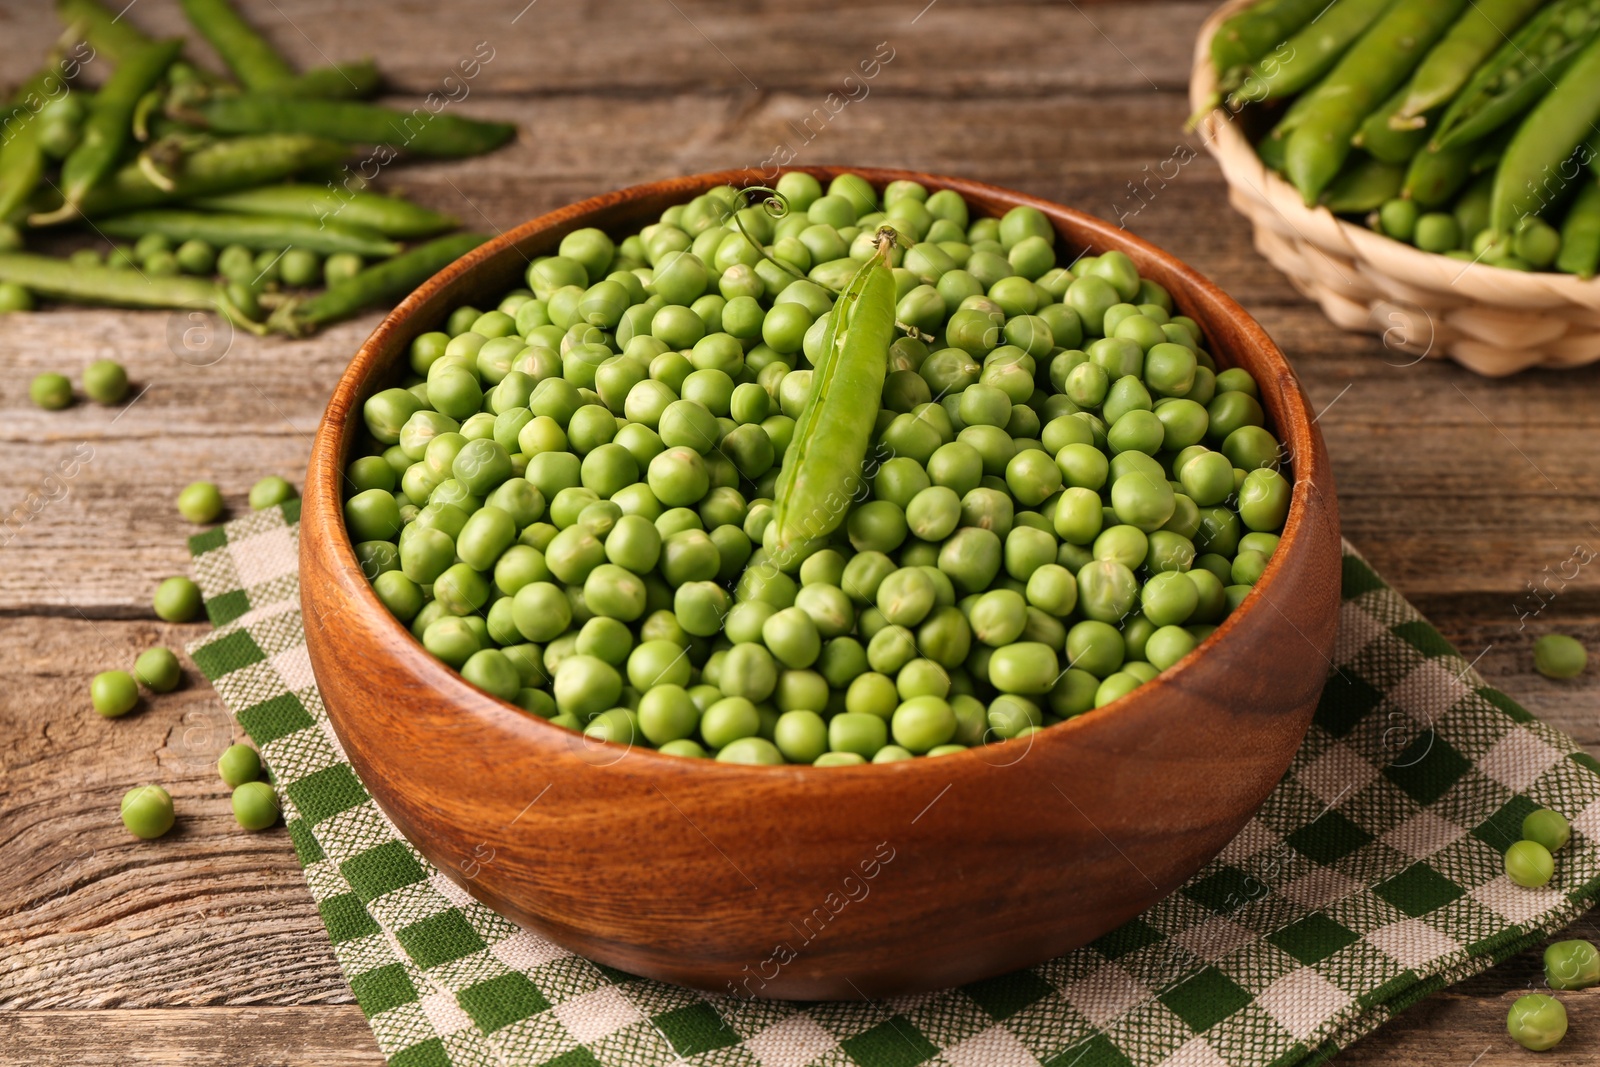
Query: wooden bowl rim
(1309, 461)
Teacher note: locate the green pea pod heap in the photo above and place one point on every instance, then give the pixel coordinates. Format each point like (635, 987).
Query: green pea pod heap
(110, 119)
(1367, 74)
(1461, 126)
(197, 171)
(835, 426)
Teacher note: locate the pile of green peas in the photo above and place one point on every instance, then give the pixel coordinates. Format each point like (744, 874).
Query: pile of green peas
(567, 498)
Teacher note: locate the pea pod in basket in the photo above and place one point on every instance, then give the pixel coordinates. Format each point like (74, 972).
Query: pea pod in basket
(1368, 73)
(1480, 30)
(1308, 55)
(1539, 162)
(830, 441)
(1247, 36)
(1521, 72)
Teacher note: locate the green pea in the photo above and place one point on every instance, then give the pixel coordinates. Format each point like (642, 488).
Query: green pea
(255, 805)
(147, 811)
(158, 669)
(1537, 1021)
(1548, 828)
(922, 724)
(1559, 656)
(177, 599)
(1571, 965)
(113, 693)
(1026, 667)
(239, 764)
(1528, 863)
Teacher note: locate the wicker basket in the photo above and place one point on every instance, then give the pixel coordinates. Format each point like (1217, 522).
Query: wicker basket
(1490, 320)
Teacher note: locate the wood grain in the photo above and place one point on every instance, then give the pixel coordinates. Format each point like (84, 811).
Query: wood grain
(1030, 95)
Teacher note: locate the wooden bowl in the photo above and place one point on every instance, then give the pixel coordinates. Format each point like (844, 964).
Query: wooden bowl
(808, 883)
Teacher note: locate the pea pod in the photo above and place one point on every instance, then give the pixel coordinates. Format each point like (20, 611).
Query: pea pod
(237, 163)
(21, 167)
(388, 215)
(1518, 75)
(109, 124)
(1382, 140)
(1367, 74)
(1247, 36)
(1580, 234)
(21, 155)
(252, 231)
(253, 61)
(1436, 174)
(1309, 54)
(108, 33)
(341, 81)
(1537, 161)
(76, 283)
(377, 284)
(1479, 31)
(419, 131)
(830, 440)
(1363, 186)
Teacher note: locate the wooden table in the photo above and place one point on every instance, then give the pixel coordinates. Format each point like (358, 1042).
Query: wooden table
(206, 948)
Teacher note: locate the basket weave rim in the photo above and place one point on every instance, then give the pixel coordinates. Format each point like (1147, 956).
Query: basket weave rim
(1243, 169)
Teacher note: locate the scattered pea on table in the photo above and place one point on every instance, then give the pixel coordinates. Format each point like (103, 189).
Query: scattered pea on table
(1559, 656)
(1537, 1021)
(158, 669)
(255, 805)
(269, 492)
(177, 599)
(239, 764)
(113, 693)
(200, 502)
(147, 811)
(50, 391)
(105, 381)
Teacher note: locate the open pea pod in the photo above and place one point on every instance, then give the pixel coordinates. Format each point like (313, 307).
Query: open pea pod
(822, 470)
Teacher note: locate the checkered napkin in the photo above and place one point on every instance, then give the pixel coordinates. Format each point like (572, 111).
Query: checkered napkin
(1371, 878)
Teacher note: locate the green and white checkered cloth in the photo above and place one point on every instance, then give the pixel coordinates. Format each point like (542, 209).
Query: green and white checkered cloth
(1371, 878)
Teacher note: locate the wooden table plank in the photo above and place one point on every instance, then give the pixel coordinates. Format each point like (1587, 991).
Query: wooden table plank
(193, 1037)
(947, 49)
(206, 948)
